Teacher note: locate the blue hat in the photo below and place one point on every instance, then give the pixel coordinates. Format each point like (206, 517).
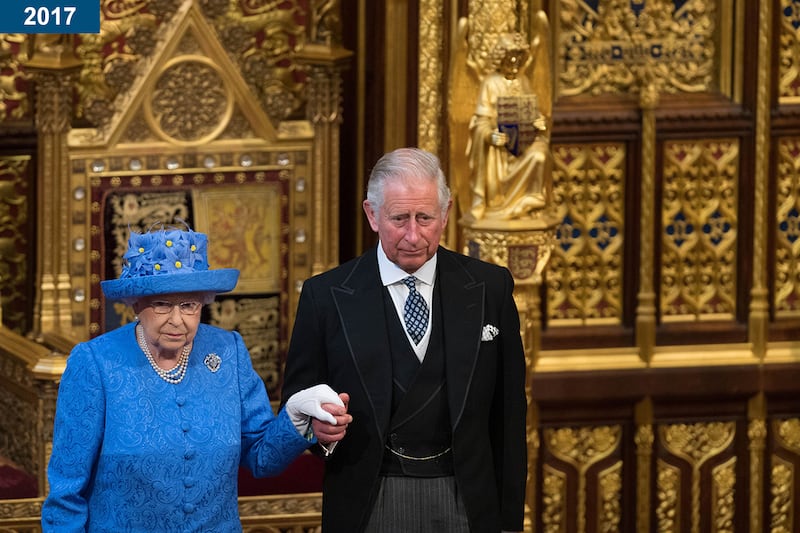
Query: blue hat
(168, 260)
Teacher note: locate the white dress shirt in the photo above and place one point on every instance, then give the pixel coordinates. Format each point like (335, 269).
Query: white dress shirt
(392, 278)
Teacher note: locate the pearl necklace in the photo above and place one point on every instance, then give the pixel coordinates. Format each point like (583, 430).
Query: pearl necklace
(175, 374)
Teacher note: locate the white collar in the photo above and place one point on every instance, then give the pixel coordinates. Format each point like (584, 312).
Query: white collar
(391, 273)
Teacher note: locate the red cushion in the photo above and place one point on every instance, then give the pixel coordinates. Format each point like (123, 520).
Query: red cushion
(15, 483)
(303, 475)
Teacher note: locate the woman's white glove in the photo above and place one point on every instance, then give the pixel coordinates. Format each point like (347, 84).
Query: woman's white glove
(304, 404)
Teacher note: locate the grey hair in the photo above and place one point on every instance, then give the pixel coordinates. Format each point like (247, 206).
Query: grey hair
(402, 164)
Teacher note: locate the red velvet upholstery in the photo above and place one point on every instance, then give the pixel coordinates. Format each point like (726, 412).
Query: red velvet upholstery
(303, 475)
(15, 483)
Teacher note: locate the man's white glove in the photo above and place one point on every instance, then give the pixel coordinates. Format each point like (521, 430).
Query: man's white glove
(306, 403)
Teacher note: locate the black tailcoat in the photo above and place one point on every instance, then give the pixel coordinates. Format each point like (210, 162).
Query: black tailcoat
(340, 338)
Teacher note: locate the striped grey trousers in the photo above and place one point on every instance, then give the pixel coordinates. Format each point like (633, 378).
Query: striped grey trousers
(418, 505)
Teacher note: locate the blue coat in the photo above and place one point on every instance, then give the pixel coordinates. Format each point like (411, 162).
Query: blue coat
(132, 453)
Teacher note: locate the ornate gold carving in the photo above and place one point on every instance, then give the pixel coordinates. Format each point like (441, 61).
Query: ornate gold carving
(258, 34)
(293, 513)
(311, 503)
(697, 444)
(14, 98)
(787, 434)
(258, 320)
(19, 410)
(14, 246)
(787, 228)
(759, 313)
(525, 253)
(55, 72)
(589, 191)
(21, 516)
(582, 447)
(789, 74)
(609, 505)
(646, 296)
(782, 480)
(605, 47)
(431, 41)
(644, 439)
(723, 485)
(698, 217)
(757, 436)
(326, 23)
(501, 91)
(554, 498)
(668, 510)
(324, 59)
(190, 103)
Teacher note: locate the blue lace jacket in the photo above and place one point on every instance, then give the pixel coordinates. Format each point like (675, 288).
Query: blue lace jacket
(132, 453)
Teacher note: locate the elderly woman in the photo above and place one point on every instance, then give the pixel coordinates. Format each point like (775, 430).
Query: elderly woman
(154, 418)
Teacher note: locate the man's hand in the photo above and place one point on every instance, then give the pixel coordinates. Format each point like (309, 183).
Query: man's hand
(328, 433)
(307, 403)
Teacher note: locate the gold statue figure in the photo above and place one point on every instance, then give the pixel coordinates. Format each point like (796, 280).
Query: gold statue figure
(507, 148)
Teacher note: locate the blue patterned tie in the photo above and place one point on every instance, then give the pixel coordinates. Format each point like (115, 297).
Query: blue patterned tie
(415, 312)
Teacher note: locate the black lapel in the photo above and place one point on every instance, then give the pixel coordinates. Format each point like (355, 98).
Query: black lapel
(462, 317)
(359, 300)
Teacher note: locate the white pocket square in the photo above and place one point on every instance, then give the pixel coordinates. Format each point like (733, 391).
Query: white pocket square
(489, 332)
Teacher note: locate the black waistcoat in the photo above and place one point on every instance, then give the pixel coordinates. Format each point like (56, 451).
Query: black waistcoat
(420, 423)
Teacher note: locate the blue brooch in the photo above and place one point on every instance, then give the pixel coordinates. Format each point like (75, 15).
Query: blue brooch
(212, 361)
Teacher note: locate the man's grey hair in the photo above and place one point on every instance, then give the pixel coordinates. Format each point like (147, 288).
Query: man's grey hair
(402, 164)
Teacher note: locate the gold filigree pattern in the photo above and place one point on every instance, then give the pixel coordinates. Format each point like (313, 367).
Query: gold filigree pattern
(190, 103)
(487, 19)
(14, 178)
(787, 228)
(609, 505)
(644, 455)
(14, 81)
(699, 230)
(291, 513)
(258, 321)
(723, 484)
(780, 505)
(582, 447)
(138, 210)
(668, 511)
(260, 35)
(20, 436)
(789, 73)
(697, 444)
(431, 66)
(554, 499)
(280, 505)
(757, 435)
(585, 277)
(787, 434)
(759, 314)
(609, 47)
(27, 513)
(525, 253)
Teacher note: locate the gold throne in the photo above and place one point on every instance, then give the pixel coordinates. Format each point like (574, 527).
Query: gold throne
(225, 116)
